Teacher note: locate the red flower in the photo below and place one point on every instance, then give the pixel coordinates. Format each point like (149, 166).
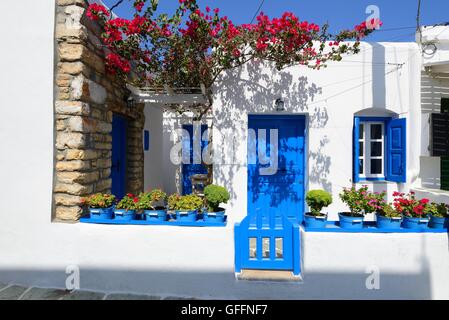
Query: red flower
(136, 200)
(95, 10)
(424, 201)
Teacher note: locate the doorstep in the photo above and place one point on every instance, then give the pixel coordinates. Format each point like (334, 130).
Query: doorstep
(268, 275)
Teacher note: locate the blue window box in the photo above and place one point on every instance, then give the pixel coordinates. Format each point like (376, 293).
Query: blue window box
(371, 227)
(140, 220)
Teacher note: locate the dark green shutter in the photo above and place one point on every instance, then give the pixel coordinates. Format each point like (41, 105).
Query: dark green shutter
(444, 173)
(445, 160)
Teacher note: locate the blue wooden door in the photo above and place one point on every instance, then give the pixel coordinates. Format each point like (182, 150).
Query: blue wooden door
(192, 167)
(268, 238)
(282, 191)
(118, 170)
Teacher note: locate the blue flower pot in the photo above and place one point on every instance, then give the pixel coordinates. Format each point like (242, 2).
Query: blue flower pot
(101, 213)
(186, 215)
(315, 221)
(388, 223)
(415, 223)
(155, 215)
(438, 223)
(214, 216)
(124, 215)
(348, 222)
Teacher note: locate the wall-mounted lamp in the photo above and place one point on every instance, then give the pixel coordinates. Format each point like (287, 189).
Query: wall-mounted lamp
(130, 102)
(279, 104)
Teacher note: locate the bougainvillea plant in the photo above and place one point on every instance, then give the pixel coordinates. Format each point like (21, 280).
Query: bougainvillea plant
(409, 206)
(128, 202)
(192, 47)
(98, 200)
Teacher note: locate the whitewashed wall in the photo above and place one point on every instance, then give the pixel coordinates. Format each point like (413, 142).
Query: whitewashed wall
(381, 80)
(168, 260)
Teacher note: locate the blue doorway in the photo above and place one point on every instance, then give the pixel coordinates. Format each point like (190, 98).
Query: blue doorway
(282, 191)
(268, 238)
(119, 148)
(191, 168)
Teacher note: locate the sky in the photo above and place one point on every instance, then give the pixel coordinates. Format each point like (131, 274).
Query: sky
(398, 16)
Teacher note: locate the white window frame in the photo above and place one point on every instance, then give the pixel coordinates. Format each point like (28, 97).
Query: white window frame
(366, 140)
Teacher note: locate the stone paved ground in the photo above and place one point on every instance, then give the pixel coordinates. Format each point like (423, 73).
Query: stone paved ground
(16, 292)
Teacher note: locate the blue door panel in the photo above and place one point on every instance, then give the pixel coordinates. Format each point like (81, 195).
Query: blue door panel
(191, 168)
(268, 238)
(119, 145)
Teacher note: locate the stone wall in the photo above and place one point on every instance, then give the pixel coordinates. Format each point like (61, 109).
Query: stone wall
(85, 99)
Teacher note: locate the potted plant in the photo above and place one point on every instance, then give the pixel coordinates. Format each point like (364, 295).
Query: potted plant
(413, 210)
(317, 200)
(387, 217)
(126, 207)
(153, 205)
(358, 202)
(438, 213)
(100, 205)
(214, 195)
(186, 207)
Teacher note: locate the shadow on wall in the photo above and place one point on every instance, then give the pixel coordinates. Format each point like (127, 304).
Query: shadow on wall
(253, 89)
(223, 285)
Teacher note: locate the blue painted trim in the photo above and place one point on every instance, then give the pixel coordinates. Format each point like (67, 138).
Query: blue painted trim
(198, 223)
(146, 140)
(357, 120)
(356, 150)
(238, 249)
(372, 179)
(370, 227)
(296, 249)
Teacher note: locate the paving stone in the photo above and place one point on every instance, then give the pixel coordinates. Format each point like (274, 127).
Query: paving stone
(43, 294)
(2, 285)
(179, 298)
(83, 295)
(12, 292)
(124, 296)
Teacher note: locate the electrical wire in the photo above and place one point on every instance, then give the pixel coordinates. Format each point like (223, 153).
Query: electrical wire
(257, 11)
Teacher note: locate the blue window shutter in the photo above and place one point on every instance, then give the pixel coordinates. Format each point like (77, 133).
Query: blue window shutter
(356, 151)
(396, 150)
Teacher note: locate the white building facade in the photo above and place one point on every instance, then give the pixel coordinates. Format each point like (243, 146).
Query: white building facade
(381, 84)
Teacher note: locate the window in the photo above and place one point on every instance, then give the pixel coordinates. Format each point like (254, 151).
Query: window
(371, 146)
(379, 149)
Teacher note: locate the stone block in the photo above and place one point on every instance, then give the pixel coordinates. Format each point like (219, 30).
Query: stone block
(73, 188)
(72, 140)
(68, 213)
(77, 177)
(67, 200)
(72, 108)
(73, 165)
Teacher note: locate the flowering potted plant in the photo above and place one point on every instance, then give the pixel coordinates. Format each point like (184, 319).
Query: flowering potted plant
(413, 210)
(153, 204)
(186, 207)
(214, 195)
(100, 205)
(358, 202)
(126, 207)
(317, 200)
(387, 217)
(439, 217)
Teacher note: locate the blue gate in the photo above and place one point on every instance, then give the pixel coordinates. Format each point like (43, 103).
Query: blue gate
(268, 238)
